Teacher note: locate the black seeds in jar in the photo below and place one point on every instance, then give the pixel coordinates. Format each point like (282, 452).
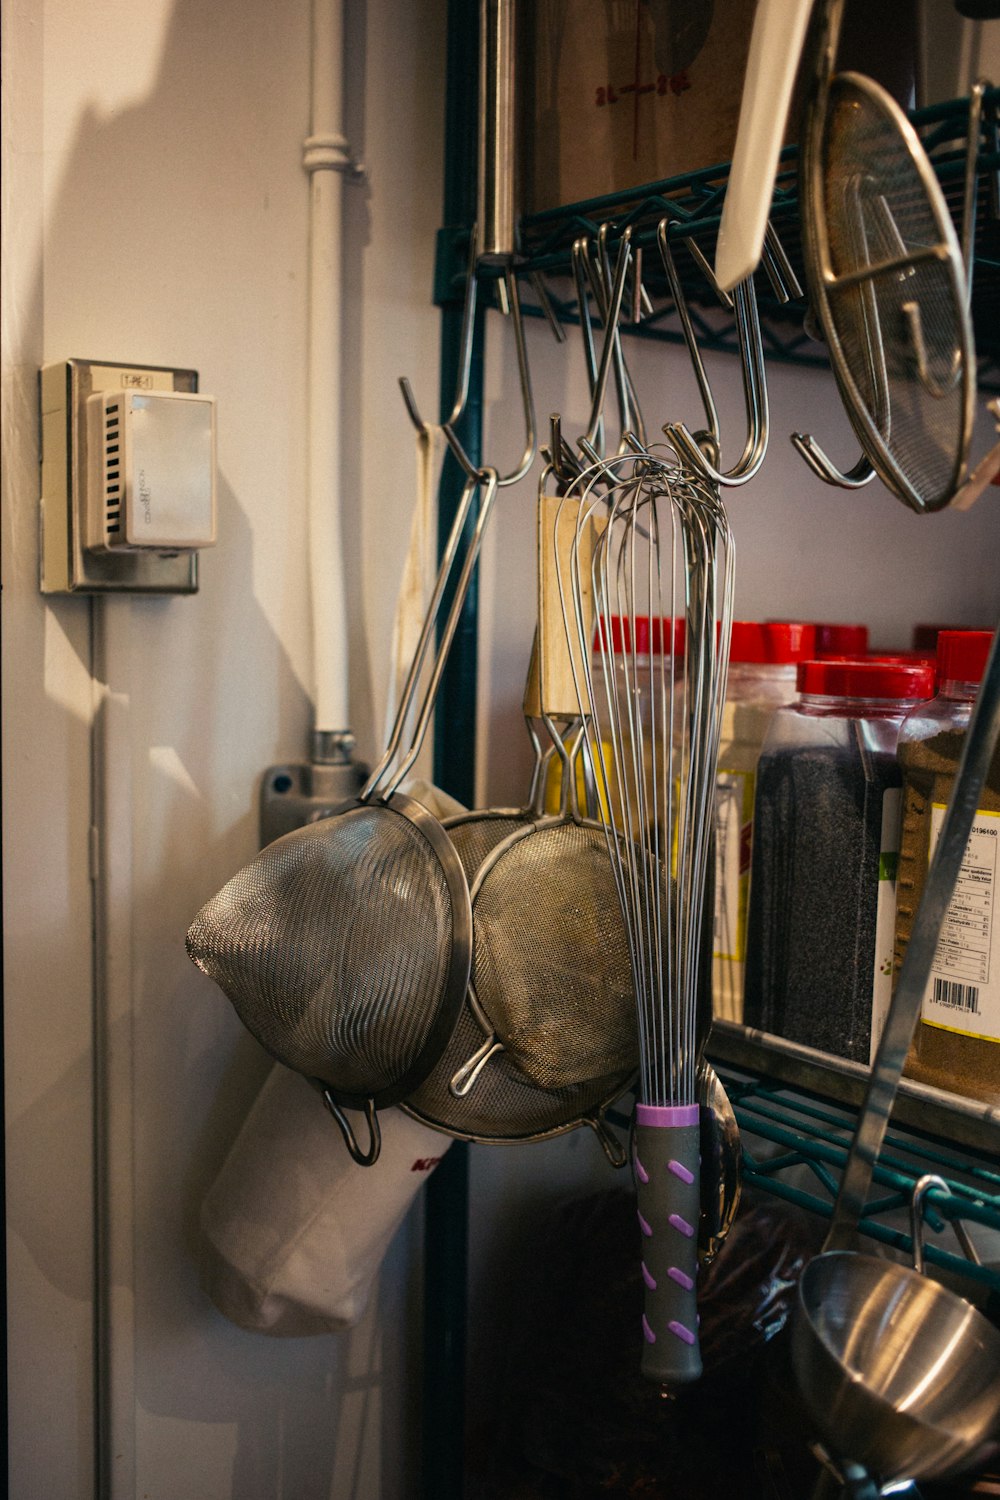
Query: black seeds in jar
(814, 895)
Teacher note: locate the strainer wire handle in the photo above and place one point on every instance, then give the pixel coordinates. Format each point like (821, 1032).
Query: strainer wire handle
(377, 782)
(363, 1158)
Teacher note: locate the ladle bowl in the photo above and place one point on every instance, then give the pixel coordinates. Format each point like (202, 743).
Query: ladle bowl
(899, 1374)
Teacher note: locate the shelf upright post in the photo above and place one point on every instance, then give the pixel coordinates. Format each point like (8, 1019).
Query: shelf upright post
(447, 1193)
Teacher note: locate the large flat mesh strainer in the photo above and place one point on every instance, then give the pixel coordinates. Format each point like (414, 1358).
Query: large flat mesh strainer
(887, 280)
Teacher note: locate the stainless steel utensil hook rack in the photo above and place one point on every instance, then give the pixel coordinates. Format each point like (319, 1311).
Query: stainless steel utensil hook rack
(692, 204)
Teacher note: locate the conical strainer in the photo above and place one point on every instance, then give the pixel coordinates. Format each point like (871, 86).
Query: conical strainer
(345, 947)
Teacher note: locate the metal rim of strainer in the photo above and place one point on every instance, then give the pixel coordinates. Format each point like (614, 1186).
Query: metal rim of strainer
(494, 1029)
(453, 987)
(459, 964)
(946, 255)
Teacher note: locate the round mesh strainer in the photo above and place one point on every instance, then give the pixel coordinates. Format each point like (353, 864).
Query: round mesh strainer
(342, 954)
(476, 835)
(550, 964)
(505, 1105)
(888, 282)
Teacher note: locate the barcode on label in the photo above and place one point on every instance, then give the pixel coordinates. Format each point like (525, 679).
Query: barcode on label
(957, 996)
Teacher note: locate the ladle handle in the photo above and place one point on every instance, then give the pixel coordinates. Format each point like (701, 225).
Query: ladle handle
(977, 753)
(667, 1144)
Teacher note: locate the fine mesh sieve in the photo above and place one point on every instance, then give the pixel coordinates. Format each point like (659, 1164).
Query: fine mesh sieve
(506, 1106)
(546, 1039)
(345, 947)
(551, 982)
(551, 959)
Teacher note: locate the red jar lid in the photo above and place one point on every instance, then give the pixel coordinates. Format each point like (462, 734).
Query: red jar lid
(863, 677)
(776, 642)
(645, 630)
(925, 636)
(961, 654)
(841, 640)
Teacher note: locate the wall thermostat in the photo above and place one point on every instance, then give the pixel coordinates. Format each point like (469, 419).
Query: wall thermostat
(150, 471)
(128, 478)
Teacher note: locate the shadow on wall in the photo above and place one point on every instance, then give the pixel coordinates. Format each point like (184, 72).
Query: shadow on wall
(190, 253)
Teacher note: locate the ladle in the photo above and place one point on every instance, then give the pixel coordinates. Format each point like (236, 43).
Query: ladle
(900, 1375)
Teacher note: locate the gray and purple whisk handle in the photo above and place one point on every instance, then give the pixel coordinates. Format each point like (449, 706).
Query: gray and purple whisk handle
(667, 1141)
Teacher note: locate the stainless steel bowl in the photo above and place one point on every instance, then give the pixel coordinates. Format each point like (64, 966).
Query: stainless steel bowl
(900, 1375)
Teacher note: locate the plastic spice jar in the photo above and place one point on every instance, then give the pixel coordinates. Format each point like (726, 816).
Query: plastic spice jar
(957, 1045)
(763, 660)
(841, 640)
(826, 840)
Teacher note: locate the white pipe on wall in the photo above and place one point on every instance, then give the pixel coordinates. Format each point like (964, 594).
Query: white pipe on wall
(326, 157)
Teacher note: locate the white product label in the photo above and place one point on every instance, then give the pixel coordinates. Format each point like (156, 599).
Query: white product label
(963, 994)
(734, 792)
(885, 913)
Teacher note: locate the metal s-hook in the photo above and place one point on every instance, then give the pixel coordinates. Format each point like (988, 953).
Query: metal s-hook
(611, 336)
(628, 406)
(464, 346)
(527, 400)
(581, 277)
(754, 391)
(471, 470)
(822, 467)
(687, 328)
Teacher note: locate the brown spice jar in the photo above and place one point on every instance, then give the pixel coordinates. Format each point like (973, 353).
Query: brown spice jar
(949, 1060)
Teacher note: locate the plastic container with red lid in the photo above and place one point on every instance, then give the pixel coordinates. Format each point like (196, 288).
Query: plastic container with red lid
(866, 677)
(957, 1046)
(763, 660)
(961, 657)
(841, 640)
(826, 837)
(641, 631)
(836, 639)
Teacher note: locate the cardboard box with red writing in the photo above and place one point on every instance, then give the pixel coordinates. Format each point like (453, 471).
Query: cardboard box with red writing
(617, 93)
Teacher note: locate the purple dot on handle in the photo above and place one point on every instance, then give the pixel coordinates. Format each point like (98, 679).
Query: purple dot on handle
(647, 1231)
(647, 1278)
(681, 1225)
(680, 1170)
(681, 1278)
(680, 1332)
(640, 1171)
(648, 1333)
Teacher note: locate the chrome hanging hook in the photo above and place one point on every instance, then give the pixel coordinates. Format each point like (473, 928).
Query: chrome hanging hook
(754, 382)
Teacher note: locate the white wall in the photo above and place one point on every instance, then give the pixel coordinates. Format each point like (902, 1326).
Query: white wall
(155, 211)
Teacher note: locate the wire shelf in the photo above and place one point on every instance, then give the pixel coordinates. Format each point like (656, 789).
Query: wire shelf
(806, 1139)
(692, 205)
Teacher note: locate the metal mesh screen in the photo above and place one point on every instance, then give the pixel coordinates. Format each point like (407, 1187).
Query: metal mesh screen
(903, 333)
(504, 1105)
(476, 838)
(551, 959)
(334, 946)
